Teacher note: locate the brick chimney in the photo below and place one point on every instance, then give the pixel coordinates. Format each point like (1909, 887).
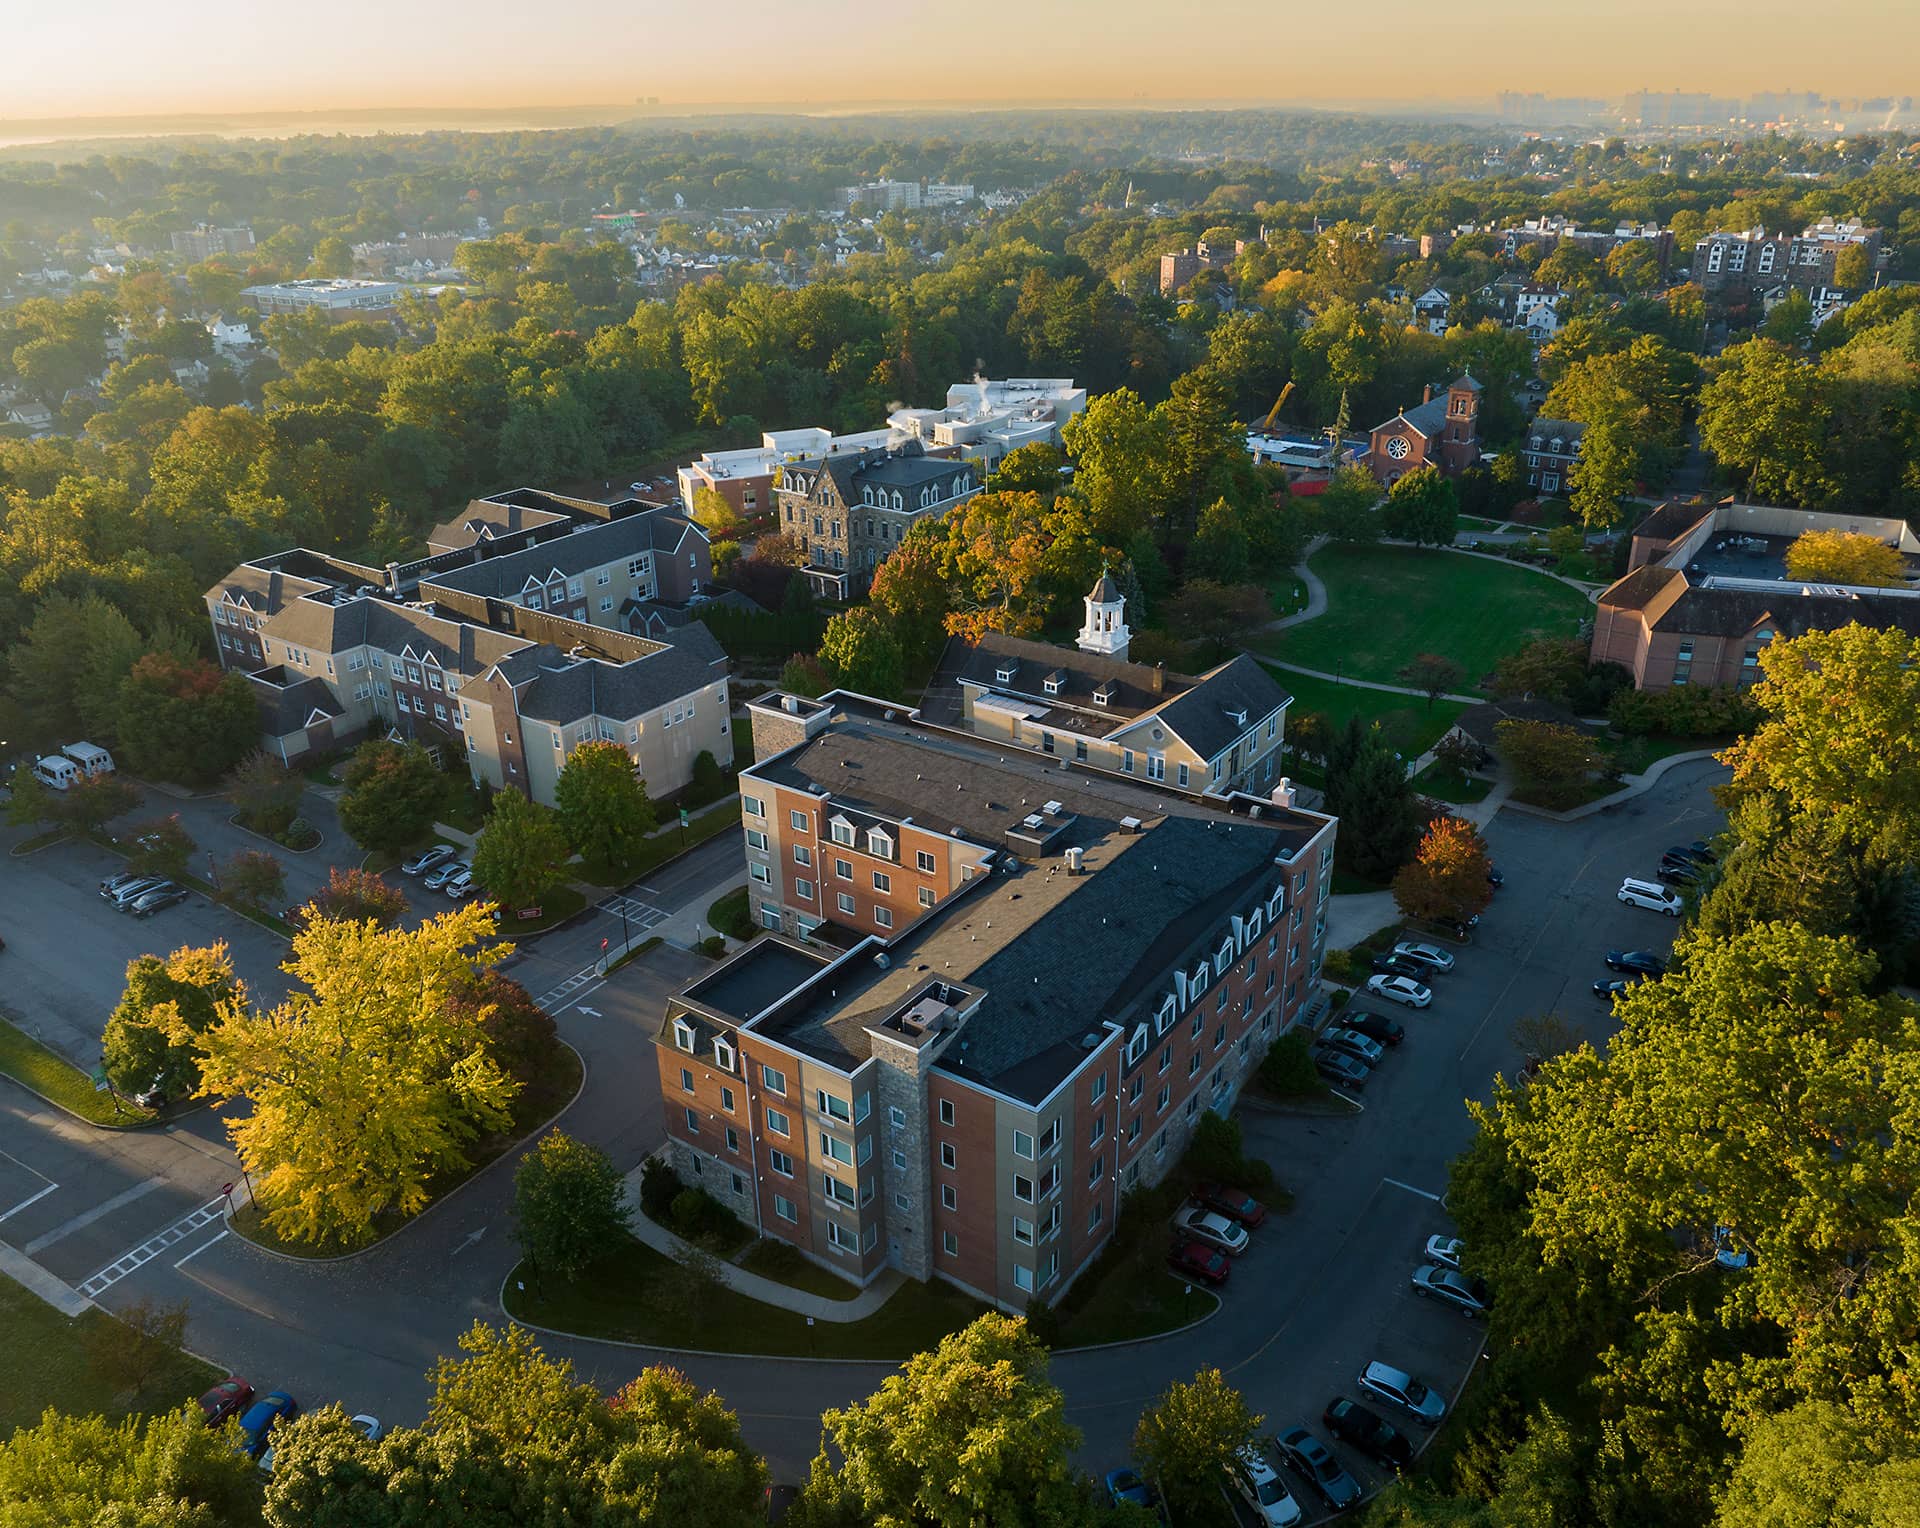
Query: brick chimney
(1159, 679)
(1426, 395)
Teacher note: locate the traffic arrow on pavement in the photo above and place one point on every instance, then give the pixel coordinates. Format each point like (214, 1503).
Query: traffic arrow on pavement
(592, 1013)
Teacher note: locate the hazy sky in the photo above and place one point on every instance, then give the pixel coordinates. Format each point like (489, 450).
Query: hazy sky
(120, 57)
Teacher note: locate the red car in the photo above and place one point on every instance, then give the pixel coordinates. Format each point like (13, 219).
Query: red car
(226, 1399)
(1234, 1203)
(1196, 1260)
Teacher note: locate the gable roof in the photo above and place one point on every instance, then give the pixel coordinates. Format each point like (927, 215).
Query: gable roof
(1671, 520)
(564, 689)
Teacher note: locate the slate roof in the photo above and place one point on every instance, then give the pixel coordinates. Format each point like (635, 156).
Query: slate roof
(1202, 718)
(1427, 419)
(488, 518)
(564, 690)
(325, 627)
(505, 576)
(265, 590)
(283, 707)
(1671, 603)
(1106, 592)
(1568, 431)
(1672, 520)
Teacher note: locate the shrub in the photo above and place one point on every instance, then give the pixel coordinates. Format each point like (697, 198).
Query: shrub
(713, 946)
(1216, 1152)
(1288, 1070)
(659, 1186)
(1043, 1321)
(699, 1217)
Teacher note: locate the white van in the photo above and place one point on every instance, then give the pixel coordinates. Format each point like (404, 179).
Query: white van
(91, 758)
(57, 772)
(1651, 895)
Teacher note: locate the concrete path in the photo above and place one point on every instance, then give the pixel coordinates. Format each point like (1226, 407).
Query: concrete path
(1316, 598)
(766, 1291)
(1350, 918)
(1363, 684)
(1637, 785)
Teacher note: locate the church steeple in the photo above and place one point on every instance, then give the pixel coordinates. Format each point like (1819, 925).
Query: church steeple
(1105, 631)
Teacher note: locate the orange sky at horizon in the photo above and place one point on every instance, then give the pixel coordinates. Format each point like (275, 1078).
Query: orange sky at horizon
(133, 57)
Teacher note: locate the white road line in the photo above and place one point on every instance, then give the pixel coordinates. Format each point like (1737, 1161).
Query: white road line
(583, 993)
(138, 1257)
(99, 1212)
(201, 1248)
(1411, 1189)
(34, 1200)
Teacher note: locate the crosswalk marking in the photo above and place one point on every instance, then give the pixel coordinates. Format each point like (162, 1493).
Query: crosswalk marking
(138, 1257)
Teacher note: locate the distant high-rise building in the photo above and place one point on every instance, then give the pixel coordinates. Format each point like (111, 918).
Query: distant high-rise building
(203, 241)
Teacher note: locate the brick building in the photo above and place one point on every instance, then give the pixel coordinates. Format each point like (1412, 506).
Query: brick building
(1551, 451)
(1443, 432)
(1706, 589)
(851, 511)
(1733, 267)
(998, 997)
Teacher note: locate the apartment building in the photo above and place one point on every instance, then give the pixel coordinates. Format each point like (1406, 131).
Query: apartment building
(1208, 734)
(993, 996)
(1551, 452)
(1733, 266)
(203, 241)
(513, 656)
(1706, 589)
(851, 511)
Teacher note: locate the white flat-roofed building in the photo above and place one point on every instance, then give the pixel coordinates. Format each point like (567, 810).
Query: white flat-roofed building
(335, 296)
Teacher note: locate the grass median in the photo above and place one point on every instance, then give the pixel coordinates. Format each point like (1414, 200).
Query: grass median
(58, 1080)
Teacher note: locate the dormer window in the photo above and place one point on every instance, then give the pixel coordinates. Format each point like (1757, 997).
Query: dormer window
(683, 1035)
(880, 842)
(1004, 673)
(1163, 1020)
(1103, 694)
(1223, 958)
(723, 1054)
(1055, 682)
(842, 831)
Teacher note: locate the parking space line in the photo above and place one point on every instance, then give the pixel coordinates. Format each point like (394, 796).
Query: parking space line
(1411, 1189)
(584, 992)
(138, 1257)
(35, 1199)
(201, 1248)
(86, 1218)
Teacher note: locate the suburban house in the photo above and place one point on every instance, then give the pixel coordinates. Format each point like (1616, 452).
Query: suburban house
(1443, 432)
(851, 511)
(1430, 309)
(512, 655)
(1210, 734)
(1706, 589)
(1551, 451)
(994, 995)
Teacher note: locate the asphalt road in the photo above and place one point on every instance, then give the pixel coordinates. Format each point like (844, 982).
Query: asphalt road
(1323, 1290)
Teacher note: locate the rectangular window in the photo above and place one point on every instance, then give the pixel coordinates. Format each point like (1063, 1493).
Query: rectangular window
(835, 1148)
(733, 1139)
(774, 1081)
(949, 1197)
(1099, 1133)
(761, 874)
(802, 855)
(926, 896)
(753, 806)
(778, 1123)
(862, 1107)
(843, 869)
(948, 1157)
(1023, 1231)
(1022, 1277)
(686, 1080)
(726, 1099)
(1099, 1087)
(837, 1191)
(883, 917)
(1023, 1145)
(1023, 1188)
(800, 821)
(803, 889)
(946, 1111)
(924, 860)
(756, 840)
(832, 1107)
(846, 904)
(1095, 1216)
(785, 1208)
(841, 1239)
(693, 1123)
(1183, 774)
(949, 1244)
(782, 1163)
(882, 882)
(897, 1117)
(1096, 1169)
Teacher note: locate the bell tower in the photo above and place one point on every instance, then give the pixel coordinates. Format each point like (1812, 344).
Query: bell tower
(1105, 631)
(1460, 441)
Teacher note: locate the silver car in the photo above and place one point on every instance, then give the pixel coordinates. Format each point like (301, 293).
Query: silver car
(1354, 1044)
(1431, 956)
(438, 877)
(424, 861)
(124, 896)
(1401, 1389)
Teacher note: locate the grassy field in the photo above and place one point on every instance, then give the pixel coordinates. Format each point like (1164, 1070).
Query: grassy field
(47, 1365)
(1408, 724)
(1445, 784)
(1388, 604)
(52, 1076)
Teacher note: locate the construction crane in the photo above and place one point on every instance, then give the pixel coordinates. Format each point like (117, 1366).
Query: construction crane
(1274, 413)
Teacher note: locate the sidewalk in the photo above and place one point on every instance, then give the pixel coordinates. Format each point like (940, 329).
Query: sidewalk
(766, 1291)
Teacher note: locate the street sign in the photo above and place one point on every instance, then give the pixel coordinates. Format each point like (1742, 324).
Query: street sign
(683, 817)
(99, 1079)
(603, 946)
(528, 912)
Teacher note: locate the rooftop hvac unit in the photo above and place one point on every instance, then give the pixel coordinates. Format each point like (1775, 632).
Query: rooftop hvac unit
(1053, 809)
(1032, 822)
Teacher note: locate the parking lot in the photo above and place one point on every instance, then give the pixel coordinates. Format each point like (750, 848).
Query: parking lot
(1325, 1289)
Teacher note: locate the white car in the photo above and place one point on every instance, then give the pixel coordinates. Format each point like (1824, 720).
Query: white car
(369, 1427)
(1400, 989)
(1203, 1225)
(1445, 1251)
(1260, 1485)
(1430, 956)
(462, 886)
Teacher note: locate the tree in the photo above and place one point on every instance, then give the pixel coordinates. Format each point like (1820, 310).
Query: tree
(364, 1087)
(1367, 788)
(1845, 557)
(1432, 675)
(1120, 461)
(1216, 613)
(393, 793)
(1033, 468)
(714, 513)
(1607, 472)
(1446, 880)
(1349, 509)
(89, 805)
(358, 896)
(1186, 1440)
(265, 793)
(1838, 739)
(152, 1035)
(804, 674)
(67, 669)
(129, 1351)
(521, 853)
(569, 1205)
(1819, 1462)
(254, 877)
(1547, 668)
(160, 846)
(972, 1432)
(1551, 761)
(1422, 507)
(1219, 549)
(602, 804)
(863, 654)
(185, 721)
(161, 1470)
(909, 591)
(1762, 418)
(1853, 268)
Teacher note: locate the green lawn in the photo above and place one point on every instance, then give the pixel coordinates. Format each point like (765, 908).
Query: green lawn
(1386, 604)
(667, 843)
(52, 1076)
(732, 915)
(47, 1365)
(1444, 784)
(782, 1262)
(1408, 723)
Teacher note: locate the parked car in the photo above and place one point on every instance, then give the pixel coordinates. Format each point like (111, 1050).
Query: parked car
(1398, 1388)
(257, 1424)
(1126, 1486)
(1198, 1223)
(426, 859)
(1431, 956)
(1679, 873)
(225, 1399)
(1367, 1431)
(1398, 965)
(120, 878)
(148, 903)
(1313, 1461)
(1609, 990)
(1728, 1253)
(126, 891)
(1494, 878)
(1234, 1203)
(445, 871)
(1340, 1069)
(1400, 989)
(152, 1096)
(1354, 1044)
(1196, 1260)
(1260, 1486)
(1650, 895)
(1375, 1026)
(1451, 1287)
(1445, 1250)
(1697, 853)
(462, 886)
(1636, 962)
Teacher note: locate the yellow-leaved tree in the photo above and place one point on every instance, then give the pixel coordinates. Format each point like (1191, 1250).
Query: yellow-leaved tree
(1845, 557)
(367, 1084)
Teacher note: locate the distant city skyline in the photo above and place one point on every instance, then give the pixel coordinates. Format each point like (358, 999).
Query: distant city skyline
(126, 58)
